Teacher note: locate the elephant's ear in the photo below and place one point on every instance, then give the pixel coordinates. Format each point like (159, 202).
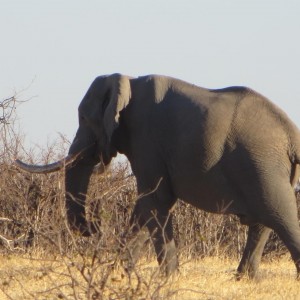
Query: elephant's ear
(119, 96)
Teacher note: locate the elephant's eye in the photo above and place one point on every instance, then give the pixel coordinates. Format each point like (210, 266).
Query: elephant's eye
(81, 118)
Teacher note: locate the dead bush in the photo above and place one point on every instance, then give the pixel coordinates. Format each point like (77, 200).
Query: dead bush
(32, 221)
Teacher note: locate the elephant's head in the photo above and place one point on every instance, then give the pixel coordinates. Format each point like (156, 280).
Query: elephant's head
(99, 113)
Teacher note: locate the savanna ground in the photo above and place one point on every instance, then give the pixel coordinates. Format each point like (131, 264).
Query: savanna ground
(41, 259)
(36, 277)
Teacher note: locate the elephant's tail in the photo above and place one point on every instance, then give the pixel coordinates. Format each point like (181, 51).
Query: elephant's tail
(296, 154)
(294, 138)
(297, 150)
(295, 170)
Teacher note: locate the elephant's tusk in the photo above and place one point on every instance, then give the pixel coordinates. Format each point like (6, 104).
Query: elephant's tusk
(47, 168)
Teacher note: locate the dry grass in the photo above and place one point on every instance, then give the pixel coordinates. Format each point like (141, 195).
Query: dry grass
(41, 259)
(208, 278)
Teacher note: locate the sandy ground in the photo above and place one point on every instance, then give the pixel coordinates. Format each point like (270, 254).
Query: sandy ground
(209, 278)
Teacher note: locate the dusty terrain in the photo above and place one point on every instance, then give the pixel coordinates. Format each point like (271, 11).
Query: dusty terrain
(208, 278)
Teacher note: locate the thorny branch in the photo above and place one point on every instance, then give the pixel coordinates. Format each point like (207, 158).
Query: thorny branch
(9, 139)
(7, 107)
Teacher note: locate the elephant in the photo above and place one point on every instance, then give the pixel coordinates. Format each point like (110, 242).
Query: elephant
(226, 151)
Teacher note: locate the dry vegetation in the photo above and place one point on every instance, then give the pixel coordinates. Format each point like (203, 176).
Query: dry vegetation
(41, 259)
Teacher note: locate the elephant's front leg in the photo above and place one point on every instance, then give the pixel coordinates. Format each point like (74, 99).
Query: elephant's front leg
(158, 220)
(161, 231)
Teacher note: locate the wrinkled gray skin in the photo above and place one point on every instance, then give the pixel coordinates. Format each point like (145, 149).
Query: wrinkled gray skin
(227, 151)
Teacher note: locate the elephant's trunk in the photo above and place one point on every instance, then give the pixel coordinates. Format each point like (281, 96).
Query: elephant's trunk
(77, 179)
(76, 183)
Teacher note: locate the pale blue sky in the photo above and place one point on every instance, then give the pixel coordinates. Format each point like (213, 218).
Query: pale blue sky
(56, 48)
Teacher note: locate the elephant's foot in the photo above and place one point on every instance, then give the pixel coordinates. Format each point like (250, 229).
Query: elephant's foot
(246, 270)
(257, 237)
(240, 275)
(297, 263)
(84, 228)
(131, 249)
(168, 259)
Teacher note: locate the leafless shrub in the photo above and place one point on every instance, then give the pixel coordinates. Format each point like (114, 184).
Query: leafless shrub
(7, 107)
(32, 221)
(9, 137)
(111, 197)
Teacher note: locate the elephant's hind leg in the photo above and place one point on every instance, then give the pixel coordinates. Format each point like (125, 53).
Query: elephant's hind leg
(283, 219)
(289, 233)
(257, 238)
